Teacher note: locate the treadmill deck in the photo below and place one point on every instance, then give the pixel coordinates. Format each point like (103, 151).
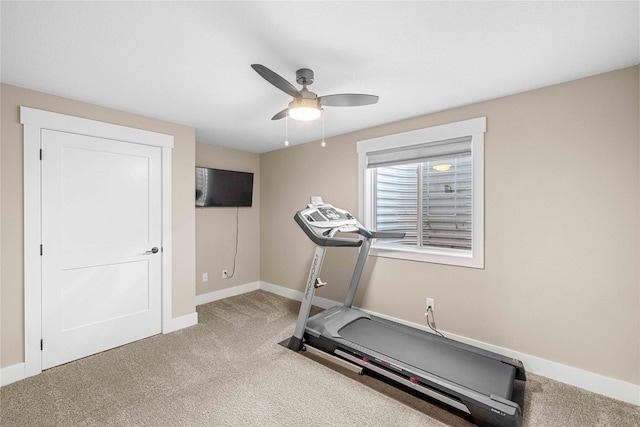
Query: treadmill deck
(467, 369)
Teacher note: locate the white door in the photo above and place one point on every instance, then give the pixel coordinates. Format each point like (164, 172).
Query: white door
(101, 220)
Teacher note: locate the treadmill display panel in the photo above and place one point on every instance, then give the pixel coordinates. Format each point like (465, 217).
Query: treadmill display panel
(315, 216)
(331, 214)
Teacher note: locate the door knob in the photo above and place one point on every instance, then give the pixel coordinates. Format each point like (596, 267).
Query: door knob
(153, 250)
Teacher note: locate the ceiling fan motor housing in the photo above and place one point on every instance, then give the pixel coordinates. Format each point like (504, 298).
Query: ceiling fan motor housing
(304, 76)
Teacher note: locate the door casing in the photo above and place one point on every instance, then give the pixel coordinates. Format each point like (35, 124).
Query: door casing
(33, 121)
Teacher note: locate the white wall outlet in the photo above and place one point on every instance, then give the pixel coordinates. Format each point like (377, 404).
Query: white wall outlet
(205, 277)
(431, 303)
(225, 274)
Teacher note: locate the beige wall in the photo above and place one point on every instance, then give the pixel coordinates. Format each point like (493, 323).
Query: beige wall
(11, 225)
(562, 227)
(562, 190)
(216, 227)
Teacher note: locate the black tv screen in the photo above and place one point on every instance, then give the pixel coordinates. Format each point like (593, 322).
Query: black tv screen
(222, 188)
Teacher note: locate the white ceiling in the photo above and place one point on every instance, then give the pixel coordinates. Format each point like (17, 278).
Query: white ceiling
(189, 62)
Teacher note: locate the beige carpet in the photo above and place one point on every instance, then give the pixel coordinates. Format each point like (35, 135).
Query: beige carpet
(229, 371)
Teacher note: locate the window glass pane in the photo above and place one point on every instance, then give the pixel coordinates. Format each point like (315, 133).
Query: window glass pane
(396, 202)
(447, 203)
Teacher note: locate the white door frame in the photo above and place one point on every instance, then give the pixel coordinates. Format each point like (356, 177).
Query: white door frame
(33, 122)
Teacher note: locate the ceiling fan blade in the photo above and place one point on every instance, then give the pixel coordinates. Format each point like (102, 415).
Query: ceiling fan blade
(281, 115)
(276, 80)
(348, 100)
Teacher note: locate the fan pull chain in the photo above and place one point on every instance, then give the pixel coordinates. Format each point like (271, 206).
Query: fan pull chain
(323, 143)
(286, 130)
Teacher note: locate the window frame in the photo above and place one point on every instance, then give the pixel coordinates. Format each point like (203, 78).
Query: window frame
(475, 128)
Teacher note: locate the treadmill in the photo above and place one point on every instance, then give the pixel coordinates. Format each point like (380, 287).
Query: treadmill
(486, 385)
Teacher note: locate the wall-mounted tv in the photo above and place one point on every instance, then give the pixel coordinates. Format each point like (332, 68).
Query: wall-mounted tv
(223, 188)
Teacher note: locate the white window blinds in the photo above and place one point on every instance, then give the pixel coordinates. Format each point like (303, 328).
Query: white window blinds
(447, 205)
(396, 201)
(432, 151)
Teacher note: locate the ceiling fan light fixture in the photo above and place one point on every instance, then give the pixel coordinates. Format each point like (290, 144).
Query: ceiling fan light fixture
(304, 109)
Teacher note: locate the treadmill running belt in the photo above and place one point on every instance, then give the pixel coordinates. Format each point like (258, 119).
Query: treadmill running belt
(473, 371)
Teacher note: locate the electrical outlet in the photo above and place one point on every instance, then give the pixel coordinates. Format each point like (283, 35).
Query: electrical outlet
(431, 303)
(225, 274)
(205, 277)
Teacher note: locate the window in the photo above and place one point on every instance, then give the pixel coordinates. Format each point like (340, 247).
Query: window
(428, 184)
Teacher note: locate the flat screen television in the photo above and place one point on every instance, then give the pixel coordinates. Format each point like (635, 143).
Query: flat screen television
(223, 188)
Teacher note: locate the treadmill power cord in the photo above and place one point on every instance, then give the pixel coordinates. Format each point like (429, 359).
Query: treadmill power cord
(432, 327)
(235, 255)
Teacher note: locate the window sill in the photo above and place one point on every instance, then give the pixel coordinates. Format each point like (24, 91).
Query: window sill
(437, 256)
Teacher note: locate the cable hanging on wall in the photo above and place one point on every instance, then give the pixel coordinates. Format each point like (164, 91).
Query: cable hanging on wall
(235, 255)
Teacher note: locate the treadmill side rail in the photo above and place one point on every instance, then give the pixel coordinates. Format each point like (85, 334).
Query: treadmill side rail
(398, 378)
(353, 367)
(489, 411)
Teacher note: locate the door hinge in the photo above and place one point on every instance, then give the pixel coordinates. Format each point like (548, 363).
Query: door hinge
(41, 345)
(40, 250)
(41, 154)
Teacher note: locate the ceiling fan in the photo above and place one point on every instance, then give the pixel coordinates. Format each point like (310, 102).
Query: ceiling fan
(307, 105)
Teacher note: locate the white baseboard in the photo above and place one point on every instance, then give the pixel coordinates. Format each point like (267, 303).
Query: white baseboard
(227, 293)
(296, 295)
(590, 381)
(180, 323)
(11, 374)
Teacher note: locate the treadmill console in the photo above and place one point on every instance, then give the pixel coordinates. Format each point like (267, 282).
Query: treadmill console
(322, 221)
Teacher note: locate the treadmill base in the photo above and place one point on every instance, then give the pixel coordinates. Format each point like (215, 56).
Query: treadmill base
(479, 414)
